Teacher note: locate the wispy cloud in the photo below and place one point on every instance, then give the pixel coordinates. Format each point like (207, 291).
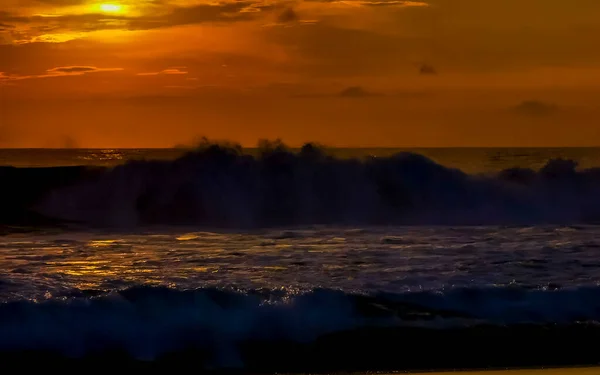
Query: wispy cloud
(78, 70)
(355, 92)
(3, 79)
(60, 71)
(181, 87)
(375, 3)
(5, 26)
(62, 2)
(535, 108)
(170, 71)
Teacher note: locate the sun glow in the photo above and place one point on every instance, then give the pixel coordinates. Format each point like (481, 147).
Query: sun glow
(111, 8)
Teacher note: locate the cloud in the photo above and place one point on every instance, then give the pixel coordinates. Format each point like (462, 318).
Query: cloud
(68, 141)
(354, 92)
(220, 12)
(335, 51)
(170, 71)
(39, 28)
(392, 3)
(348, 92)
(62, 2)
(288, 15)
(375, 3)
(535, 108)
(181, 87)
(348, 40)
(61, 71)
(459, 35)
(426, 69)
(73, 69)
(79, 70)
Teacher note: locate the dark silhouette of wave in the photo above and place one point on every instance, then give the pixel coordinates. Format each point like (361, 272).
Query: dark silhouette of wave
(217, 185)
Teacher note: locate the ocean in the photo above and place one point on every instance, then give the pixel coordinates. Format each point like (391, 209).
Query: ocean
(301, 260)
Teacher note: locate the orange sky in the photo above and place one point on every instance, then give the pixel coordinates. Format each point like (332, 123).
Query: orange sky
(155, 73)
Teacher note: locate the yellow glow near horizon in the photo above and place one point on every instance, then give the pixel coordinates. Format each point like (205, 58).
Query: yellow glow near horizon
(111, 8)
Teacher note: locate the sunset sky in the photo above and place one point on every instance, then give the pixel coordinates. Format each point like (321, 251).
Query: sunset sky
(156, 73)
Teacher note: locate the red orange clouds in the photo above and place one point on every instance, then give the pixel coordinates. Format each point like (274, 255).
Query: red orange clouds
(226, 61)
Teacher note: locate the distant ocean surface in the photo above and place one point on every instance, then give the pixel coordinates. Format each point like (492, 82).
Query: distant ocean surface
(470, 160)
(275, 261)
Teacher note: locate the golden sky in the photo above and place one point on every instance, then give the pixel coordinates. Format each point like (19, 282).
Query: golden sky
(155, 73)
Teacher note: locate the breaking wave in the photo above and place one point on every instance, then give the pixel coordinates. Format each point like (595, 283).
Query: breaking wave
(257, 329)
(219, 186)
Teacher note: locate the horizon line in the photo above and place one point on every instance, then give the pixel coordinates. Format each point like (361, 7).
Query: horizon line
(299, 147)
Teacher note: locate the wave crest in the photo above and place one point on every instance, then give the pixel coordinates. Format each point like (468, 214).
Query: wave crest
(219, 186)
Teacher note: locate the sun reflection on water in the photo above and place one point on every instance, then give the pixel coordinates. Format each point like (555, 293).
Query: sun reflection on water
(68, 263)
(102, 243)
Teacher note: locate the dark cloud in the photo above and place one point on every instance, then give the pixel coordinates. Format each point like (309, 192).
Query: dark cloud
(377, 3)
(10, 20)
(393, 3)
(288, 15)
(535, 108)
(354, 92)
(431, 34)
(73, 69)
(327, 50)
(69, 142)
(348, 92)
(427, 69)
(223, 12)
